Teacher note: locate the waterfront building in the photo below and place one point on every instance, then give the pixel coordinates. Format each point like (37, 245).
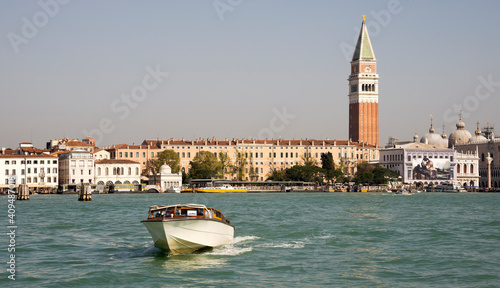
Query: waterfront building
(268, 155)
(468, 169)
(139, 153)
(363, 92)
(101, 154)
(420, 163)
(71, 144)
(111, 172)
(484, 143)
(76, 167)
(39, 172)
(166, 179)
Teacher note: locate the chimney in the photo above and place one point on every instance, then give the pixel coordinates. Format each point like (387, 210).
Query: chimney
(3, 150)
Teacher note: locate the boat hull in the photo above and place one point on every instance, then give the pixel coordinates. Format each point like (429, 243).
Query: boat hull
(185, 236)
(221, 191)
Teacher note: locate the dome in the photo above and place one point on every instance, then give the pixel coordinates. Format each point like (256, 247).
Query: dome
(478, 137)
(165, 169)
(459, 136)
(432, 138)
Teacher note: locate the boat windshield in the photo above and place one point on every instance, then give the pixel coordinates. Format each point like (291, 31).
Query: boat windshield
(185, 211)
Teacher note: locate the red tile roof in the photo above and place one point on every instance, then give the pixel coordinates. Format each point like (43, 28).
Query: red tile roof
(116, 161)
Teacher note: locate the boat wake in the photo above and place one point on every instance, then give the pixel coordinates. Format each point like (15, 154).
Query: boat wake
(238, 247)
(292, 245)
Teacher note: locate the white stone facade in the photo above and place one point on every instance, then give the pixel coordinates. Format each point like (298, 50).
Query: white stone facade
(113, 172)
(76, 167)
(40, 172)
(468, 169)
(419, 163)
(166, 179)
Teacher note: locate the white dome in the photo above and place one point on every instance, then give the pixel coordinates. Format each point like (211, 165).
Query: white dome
(459, 136)
(478, 137)
(432, 138)
(165, 169)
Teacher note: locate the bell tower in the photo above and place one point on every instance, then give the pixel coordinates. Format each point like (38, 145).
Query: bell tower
(363, 92)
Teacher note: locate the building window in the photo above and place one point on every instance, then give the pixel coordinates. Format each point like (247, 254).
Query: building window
(6, 172)
(126, 154)
(22, 171)
(129, 171)
(136, 171)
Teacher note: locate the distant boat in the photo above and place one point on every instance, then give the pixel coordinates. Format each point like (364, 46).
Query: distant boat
(446, 188)
(187, 228)
(173, 190)
(222, 189)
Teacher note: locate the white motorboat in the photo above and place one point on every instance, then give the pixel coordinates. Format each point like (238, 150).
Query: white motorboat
(222, 189)
(187, 228)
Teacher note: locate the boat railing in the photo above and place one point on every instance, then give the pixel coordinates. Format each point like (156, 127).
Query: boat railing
(187, 212)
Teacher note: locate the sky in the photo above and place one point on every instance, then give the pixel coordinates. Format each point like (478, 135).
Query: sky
(124, 71)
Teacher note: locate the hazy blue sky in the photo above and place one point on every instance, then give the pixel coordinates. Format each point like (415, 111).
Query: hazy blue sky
(232, 64)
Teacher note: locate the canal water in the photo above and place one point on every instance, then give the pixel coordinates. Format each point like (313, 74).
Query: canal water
(281, 240)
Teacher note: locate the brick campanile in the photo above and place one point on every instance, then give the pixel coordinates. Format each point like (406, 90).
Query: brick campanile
(363, 92)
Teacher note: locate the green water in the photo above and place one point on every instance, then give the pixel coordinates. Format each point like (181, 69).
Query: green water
(281, 240)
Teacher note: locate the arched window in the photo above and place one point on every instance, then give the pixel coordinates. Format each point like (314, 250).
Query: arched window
(114, 170)
(137, 171)
(458, 168)
(465, 168)
(129, 170)
(99, 171)
(472, 169)
(107, 171)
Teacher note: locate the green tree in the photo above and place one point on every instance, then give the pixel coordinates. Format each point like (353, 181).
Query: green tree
(150, 168)
(240, 164)
(383, 175)
(308, 160)
(169, 157)
(277, 176)
(364, 177)
(328, 166)
(205, 166)
(226, 165)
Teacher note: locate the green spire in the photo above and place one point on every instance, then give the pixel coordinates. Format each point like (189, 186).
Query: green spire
(364, 49)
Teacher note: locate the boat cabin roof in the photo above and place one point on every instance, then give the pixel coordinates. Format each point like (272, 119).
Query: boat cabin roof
(159, 207)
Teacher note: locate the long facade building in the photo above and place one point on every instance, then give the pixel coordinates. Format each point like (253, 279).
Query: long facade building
(262, 156)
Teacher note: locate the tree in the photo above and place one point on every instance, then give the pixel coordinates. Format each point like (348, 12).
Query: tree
(308, 160)
(277, 175)
(327, 165)
(150, 168)
(240, 164)
(383, 175)
(225, 164)
(205, 166)
(364, 177)
(169, 157)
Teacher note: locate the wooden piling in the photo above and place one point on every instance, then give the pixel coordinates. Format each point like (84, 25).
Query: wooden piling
(85, 193)
(23, 192)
